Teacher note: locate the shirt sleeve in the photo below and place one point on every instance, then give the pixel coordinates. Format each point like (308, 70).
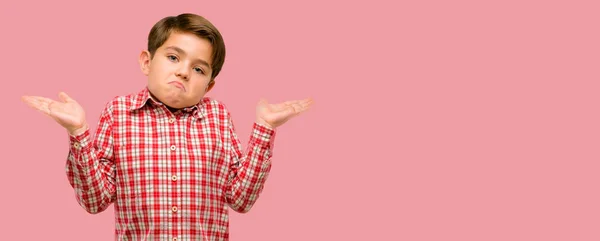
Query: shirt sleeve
(90, 166)
(248, 170)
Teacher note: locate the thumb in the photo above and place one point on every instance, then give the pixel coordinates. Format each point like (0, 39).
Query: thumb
(64, 97)
(262, 101)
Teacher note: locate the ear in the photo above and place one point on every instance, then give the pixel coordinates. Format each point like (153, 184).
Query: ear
(145, 62)
(210, 85)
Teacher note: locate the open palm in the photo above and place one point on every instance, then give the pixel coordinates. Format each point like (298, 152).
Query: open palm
(276, 114)
(67, 112)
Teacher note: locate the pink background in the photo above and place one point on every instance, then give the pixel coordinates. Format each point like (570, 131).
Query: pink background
(436, 120)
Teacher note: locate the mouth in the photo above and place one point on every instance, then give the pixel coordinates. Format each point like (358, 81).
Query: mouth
(178, 85)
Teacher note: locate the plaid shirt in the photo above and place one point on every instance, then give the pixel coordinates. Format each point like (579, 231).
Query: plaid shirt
(171, 176)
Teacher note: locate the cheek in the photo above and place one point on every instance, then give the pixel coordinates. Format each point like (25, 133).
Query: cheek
(153, 80)
(160, 69)
(196, 88)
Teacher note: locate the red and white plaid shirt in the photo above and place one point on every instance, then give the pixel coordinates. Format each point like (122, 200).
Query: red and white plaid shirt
(171, 176)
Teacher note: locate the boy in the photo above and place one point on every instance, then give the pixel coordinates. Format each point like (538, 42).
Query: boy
(168, 157)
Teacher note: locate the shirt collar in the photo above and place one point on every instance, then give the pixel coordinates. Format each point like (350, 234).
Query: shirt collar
(144, 97)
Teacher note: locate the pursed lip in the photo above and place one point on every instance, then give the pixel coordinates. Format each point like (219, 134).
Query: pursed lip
(178, 84)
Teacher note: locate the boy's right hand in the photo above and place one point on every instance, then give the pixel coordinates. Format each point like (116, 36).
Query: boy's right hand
(67, 113)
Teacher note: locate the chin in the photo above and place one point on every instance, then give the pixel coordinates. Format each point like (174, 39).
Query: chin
(179, 103)
(174, 104)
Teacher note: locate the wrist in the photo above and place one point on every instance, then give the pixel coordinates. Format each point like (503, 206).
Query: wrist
(79, 130)
(264, 123)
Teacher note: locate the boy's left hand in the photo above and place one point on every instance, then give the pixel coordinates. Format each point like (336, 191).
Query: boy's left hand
(274, 115)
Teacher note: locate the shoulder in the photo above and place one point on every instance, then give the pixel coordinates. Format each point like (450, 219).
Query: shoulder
(215, 106)
(217, 111)
(121, 103)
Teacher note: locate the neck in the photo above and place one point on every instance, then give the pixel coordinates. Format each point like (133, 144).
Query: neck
(173, 110)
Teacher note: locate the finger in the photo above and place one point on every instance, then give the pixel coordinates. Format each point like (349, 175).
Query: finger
(46, 103)
(288, 112)
(263, 101)
(279, 107)
(40, 99)
(30, 101)
(64, 97)
(301, 102)
(283, 105)
(307, 102)
(302, 107)
(38, 103)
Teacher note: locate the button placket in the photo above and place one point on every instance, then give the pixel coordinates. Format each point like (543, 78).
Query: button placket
(172, 123)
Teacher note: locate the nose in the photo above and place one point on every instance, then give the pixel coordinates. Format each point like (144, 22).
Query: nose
(182, 73)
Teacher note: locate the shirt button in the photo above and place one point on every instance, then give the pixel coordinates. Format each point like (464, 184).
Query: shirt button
(174, 209)
(173, 147)
(171, 120)
(174, 178)
(174, 239)
(76, 145)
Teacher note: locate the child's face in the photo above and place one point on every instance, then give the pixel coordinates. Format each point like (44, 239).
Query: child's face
(180, 71)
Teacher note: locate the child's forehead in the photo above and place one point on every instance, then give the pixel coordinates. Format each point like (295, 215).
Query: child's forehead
(198, 48)
(183, 40)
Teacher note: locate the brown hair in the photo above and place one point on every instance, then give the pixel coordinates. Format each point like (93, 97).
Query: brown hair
(189, 23)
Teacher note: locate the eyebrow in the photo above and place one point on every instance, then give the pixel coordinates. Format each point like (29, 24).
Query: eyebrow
(180, 51)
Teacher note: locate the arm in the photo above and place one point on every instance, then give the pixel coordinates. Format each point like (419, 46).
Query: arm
(90, 167)
(248, 170)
